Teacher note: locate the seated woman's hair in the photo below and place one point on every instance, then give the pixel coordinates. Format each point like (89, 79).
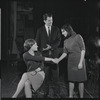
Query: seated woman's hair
(28, 44)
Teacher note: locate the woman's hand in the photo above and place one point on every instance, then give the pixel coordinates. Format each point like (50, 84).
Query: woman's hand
(80, 66)
(56, 60)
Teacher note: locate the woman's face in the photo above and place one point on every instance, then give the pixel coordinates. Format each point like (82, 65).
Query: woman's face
(34, 47)
(65, 33)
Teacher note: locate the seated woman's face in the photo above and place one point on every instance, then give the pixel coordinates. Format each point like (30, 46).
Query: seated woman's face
(34, 47)
(64, 32)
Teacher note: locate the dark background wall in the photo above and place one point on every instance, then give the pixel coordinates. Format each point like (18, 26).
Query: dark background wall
(82, 15)
(5, 8)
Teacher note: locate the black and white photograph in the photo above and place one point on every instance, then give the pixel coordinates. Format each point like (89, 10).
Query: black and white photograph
(49, 48)
(0, 53)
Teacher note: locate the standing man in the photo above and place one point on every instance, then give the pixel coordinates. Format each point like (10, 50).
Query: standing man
(48, 39)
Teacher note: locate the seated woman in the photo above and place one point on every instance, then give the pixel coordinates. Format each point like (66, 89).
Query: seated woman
(34, 62)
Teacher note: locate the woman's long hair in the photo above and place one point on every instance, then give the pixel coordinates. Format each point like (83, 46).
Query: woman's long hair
(69, 29)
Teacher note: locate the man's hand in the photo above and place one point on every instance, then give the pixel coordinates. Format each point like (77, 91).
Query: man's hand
(47, 48)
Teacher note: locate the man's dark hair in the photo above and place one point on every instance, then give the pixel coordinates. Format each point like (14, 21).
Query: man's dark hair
(47, 15)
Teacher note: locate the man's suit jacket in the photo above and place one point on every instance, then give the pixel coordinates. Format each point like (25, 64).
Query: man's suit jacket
(42, 40)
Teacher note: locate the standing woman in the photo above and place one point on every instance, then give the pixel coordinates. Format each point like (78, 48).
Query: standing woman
(35, 74)
(74, 48)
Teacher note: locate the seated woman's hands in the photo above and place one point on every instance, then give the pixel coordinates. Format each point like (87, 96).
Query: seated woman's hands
(33, 73)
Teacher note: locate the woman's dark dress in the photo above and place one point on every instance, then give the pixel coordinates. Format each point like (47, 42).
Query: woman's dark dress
(73, 47)
(32, 63)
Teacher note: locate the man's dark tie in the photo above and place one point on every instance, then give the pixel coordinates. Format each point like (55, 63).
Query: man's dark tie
(49, 33)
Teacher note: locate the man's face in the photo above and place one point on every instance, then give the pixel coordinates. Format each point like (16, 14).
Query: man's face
(48, 21)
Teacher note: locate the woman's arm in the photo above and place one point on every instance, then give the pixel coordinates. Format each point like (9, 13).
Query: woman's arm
(82, 56)
(82, 48)
(48, 59)
(81, 59)
(60, 58)
(45, 59)
(32, 58)
(35, 71)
